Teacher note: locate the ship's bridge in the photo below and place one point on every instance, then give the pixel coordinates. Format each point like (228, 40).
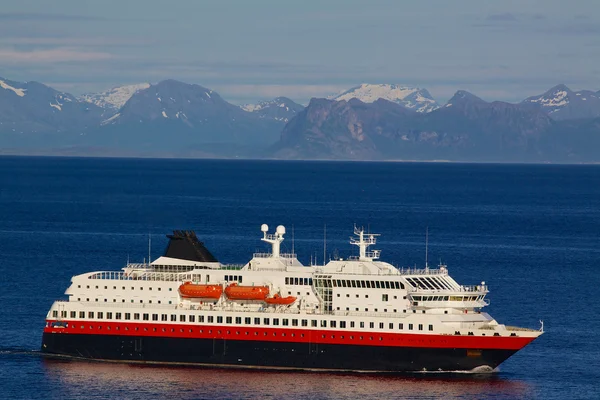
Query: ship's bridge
(364, 263)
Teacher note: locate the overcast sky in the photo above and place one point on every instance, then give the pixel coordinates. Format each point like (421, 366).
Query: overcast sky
(251, 50)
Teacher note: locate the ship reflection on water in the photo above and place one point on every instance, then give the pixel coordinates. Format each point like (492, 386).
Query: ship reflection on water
(114, 380)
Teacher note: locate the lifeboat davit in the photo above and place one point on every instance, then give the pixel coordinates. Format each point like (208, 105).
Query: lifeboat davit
(236, 292)
(192, 290)
(277, 299)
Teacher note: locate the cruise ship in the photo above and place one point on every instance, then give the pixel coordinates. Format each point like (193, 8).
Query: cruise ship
(352, 314)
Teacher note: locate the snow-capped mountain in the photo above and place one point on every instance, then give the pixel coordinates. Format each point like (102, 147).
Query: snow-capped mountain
(32, 107)
(416, 99)
(279, 109)
(114, 98)
(197, 114)
(561, 103)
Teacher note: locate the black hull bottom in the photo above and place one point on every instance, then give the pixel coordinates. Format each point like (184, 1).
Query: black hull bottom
(277, 355)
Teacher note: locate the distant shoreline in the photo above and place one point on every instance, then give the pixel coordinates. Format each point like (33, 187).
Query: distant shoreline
(171, 157)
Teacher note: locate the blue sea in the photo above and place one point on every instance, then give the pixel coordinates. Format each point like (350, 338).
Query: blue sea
(531, 232)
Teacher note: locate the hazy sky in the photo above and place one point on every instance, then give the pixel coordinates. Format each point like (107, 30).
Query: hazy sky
(250, 50)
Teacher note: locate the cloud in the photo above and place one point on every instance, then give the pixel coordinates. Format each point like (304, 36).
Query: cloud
(504, 17)
(47, 17)
(75, 41)
(58, 55)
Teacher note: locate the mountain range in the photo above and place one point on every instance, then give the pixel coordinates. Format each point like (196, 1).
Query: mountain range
(367, 122)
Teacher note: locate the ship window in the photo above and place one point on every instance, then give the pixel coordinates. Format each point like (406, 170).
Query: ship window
(351, 324)
(109, 315)
(371, 325)
(100, 315)
(211, 319)
(420, 327)
(381, 325)
(286, 322)
(228, 320)
(338, 295)
(362, 324)
(266, 321)
(366, 296)
(323, 323)
(310, 281)
(363, 284)
(287, 280)
(296, 281)
(275, 321)
(294, 322)
(332, 324)
(127, 316)
(145, 317)
(304, 322)
(256, 321)
(247, 320)
(353, 283)
(430, 327)
(173, 317)
(384, 297)
(387, 285)
(200, 318)
(313, 322)
(400, 326)
(171, 289)
(91, 314)
(79, 286)
(410, 327)
(219, 319)
(142, 288)
(149, 288)
(368, 284)
(73, 314)
(377, 284)
(238, 320)
(159, 289)
(163, 317)
(154, 317)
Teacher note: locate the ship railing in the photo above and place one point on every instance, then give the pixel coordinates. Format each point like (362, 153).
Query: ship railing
(461, 289)
(233, 267)
(269, 255)
(422, 271)
(335, 275)
(140, 276)
(516, 328)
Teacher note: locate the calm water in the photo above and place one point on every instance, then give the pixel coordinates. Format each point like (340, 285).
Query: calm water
(532, 232)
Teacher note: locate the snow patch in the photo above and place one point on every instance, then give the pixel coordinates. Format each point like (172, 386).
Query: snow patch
(251, 107)
(109, 120)
(410, 97)
(560, 98)
(115, 97)
(164, 114)
(57, 106)
(18, 92)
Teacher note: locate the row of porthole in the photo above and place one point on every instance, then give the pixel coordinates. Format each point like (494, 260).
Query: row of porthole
(123, 301)
(123, 288)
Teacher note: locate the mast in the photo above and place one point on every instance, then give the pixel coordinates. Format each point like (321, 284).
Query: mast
(426, 246)
(324, 244)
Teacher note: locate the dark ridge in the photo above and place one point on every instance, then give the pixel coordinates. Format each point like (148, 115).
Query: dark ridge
(185, 245)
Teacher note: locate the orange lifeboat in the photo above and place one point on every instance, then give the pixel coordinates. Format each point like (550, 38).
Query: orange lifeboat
(192, 290)
(236, 292)
(277, 299)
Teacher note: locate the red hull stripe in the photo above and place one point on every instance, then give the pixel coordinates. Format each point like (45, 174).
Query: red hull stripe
(296, 335)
